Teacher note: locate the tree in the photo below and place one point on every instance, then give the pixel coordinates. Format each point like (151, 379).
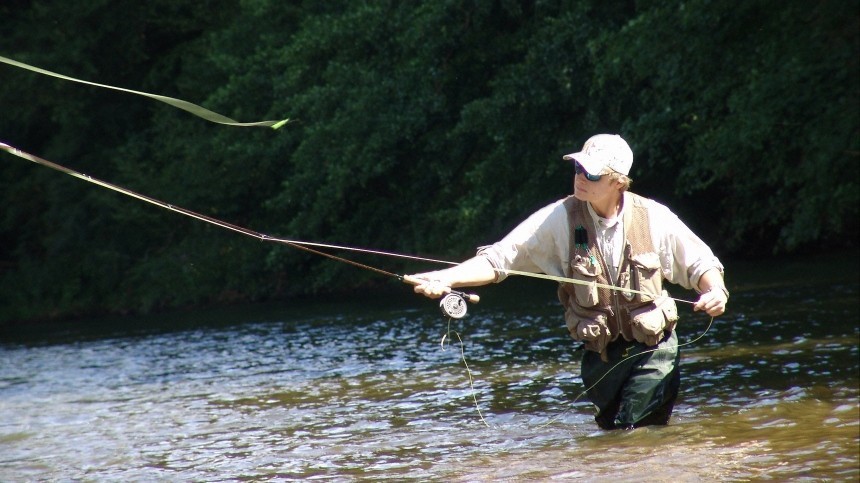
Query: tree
(423, 128)
(753, 108)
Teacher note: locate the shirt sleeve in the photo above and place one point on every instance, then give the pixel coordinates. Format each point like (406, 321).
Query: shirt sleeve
(540, 244)
(683, 255)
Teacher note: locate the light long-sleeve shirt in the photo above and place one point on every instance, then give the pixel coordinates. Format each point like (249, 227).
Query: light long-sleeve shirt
(541, 244)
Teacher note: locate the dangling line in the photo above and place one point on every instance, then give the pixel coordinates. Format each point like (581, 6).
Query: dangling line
(198, 111)
(468, 370)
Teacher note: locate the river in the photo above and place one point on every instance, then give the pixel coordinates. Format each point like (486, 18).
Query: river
(377, 388)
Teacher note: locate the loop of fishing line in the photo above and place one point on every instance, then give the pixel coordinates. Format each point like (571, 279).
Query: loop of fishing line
(198, 111)
(468, 370)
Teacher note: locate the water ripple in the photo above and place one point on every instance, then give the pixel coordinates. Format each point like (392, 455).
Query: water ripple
(771, 392)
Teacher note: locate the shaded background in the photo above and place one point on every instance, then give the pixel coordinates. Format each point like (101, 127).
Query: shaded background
(427, 129)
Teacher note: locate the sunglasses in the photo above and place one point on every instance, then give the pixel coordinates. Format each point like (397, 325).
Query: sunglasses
(590, 177)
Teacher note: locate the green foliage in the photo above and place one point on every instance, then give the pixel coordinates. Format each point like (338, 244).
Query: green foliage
(756, 104)
(426, 128)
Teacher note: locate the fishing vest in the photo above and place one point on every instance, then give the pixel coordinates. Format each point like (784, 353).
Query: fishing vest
(595, 313)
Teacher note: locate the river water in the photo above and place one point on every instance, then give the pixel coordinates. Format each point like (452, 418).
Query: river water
(378, 389)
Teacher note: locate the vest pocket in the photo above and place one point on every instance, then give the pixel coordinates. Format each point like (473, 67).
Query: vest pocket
(649, 321)
(646, 275)
(585, 272)
(588, 326)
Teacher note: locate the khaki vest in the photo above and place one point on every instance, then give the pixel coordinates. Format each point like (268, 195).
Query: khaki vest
(598, 315)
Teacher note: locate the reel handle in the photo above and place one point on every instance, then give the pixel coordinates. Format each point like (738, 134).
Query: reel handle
(473, 298)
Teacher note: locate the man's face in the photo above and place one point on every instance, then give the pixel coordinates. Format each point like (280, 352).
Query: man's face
(594, 191)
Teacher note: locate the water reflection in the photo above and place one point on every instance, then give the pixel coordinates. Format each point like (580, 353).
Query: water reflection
(342, 393)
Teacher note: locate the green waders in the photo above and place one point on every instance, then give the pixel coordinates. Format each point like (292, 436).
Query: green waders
(641, 390)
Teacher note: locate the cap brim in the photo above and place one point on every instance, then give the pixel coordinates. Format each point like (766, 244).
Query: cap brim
(591, 165)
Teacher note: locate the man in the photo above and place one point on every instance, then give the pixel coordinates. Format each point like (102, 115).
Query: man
(604, 237)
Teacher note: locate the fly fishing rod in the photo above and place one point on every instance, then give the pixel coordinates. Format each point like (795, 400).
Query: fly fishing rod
(453, 304)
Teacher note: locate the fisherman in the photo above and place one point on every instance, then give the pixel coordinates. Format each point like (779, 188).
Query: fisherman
(604, 236)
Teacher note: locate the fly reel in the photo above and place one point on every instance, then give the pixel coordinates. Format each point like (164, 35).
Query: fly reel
(453, 305)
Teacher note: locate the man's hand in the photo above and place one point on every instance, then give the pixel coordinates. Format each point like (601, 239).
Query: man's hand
(474, 272)
(713, 302)
(428, 284)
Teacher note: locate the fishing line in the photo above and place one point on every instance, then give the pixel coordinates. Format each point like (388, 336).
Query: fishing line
(198, 111)
(468, 370)
(453, 304)
(582, 282)
(615, 288)
(584, 391)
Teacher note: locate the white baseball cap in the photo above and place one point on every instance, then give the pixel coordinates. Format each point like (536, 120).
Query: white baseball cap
(604, 151)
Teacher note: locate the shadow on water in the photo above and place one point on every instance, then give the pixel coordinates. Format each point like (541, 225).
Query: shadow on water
(365, 389)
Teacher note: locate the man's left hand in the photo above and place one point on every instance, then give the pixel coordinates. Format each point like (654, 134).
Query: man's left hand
(713, 302)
